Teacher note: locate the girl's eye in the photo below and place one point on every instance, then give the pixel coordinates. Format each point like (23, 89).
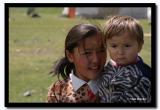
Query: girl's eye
(113, 46)
(102, 50)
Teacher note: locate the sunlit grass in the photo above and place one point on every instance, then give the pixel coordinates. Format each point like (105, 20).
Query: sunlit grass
(35, 43)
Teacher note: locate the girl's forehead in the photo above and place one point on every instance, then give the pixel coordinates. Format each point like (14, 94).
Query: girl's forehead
(91, 42)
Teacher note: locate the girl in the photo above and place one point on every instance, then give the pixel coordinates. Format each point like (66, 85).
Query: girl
(83, 62)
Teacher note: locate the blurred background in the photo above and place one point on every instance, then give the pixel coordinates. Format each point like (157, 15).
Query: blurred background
(36, 41)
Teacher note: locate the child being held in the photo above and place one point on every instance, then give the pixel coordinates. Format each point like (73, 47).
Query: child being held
(126, 77)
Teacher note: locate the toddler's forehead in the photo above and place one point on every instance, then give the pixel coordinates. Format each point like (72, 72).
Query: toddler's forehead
(130, 35)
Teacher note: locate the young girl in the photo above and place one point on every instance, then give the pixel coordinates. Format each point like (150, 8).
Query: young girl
(83, 62)
(126, 77)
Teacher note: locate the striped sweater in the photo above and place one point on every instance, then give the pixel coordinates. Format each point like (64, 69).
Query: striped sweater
(128, 84)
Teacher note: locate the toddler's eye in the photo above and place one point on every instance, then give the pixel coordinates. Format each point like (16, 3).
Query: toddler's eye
(87, 53)
(127, 45)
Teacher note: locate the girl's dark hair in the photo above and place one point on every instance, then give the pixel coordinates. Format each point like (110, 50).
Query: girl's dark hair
(79, 32)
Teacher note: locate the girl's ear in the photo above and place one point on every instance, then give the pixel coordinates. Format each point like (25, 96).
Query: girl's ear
(69, 56)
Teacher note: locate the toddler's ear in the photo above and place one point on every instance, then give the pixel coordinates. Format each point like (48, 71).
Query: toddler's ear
(140, 47)
(69, 56)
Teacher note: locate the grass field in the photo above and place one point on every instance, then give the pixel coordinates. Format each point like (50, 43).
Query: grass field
(35, 43)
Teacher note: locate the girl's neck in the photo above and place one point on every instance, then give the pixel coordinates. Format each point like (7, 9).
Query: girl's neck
(76, 74)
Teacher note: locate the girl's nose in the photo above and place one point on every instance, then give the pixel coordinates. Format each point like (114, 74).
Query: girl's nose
(95, 57)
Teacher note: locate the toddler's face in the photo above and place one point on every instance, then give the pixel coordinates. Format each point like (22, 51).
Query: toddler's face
(123, 49)
(89, 58)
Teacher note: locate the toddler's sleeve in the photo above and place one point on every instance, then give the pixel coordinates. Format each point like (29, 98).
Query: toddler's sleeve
(133, 88)
(140, 93)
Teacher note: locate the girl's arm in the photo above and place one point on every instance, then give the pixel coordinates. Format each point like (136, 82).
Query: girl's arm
(54, 94)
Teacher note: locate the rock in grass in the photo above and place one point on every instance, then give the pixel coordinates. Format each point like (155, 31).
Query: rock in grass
(27, 93)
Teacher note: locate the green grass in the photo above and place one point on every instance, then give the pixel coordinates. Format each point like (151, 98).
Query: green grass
(35, 43)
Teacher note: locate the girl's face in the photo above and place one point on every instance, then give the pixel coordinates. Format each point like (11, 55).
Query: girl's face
(89, 58)
(123, 49)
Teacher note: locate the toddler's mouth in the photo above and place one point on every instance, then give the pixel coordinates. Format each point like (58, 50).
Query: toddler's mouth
(94, 67)
(120, 59)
